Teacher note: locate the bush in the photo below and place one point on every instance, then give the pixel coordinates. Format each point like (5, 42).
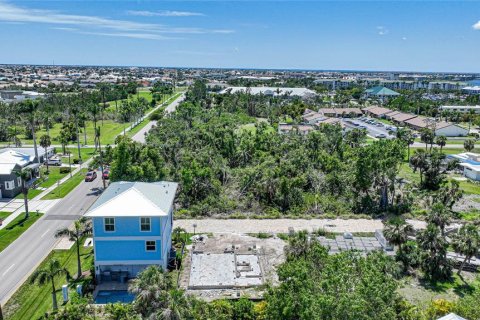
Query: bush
(64, 170)
(76, 161)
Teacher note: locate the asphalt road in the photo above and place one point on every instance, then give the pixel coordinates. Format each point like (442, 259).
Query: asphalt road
(140, 135)
(20, 258)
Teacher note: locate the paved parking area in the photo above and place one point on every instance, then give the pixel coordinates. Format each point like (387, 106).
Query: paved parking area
(372, 130)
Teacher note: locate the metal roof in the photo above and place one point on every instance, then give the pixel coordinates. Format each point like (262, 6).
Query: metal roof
(134, 199)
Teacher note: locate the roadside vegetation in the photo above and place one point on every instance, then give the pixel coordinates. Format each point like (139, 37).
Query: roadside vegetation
(65, 188)
(16, 227)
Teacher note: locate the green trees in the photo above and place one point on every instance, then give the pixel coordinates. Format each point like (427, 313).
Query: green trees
(441, 141)
(469, 144)
(315, 285)
(396, 232)
(29, 109)
(467, 243)
(81, 228)
(45, 142)
(24, 175)
(434, 256)
(49, 274)
(427, 136)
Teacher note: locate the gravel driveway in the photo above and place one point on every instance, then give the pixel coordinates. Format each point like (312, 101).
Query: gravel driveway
(282, 225)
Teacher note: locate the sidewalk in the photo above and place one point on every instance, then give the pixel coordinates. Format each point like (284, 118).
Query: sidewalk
(42, 206)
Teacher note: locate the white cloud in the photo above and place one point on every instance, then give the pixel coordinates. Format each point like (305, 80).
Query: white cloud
(381, 30)
(95, 25)
(404, 38)
(166, 13)
(476, 26)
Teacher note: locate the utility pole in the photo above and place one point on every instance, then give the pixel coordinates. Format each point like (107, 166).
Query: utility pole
(101, 158)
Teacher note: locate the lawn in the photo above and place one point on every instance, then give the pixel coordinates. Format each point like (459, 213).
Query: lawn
(109, 129)
(85, 153)
(15, 229)
(141, 93)
(65, 188)
(31, 301)
(4, 214)
(52, 178)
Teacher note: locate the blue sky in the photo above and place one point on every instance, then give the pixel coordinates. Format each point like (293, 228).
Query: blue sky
(335, 35)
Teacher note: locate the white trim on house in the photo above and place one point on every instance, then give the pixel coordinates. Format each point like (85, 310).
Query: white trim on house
(154, 245)
(127, 262)
(128, 238)
(10, 185)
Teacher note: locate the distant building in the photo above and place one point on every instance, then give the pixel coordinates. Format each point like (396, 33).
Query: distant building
(381, 92)
(378, 112)
(471, 89)
(132, 228)
(303, 129)
(441, 128)
(461, 109)
(470, 162)
(272, 91)
(19, 95)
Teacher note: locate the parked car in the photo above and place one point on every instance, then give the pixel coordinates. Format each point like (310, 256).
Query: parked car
(90, 176)
(380, 136)
(54, 161)
(379, 124)
(106, 174)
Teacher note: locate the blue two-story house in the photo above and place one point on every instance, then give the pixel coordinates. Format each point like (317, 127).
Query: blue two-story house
(132, 228)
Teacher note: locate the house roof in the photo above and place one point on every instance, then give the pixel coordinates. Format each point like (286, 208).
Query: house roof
(10, 158)
(400, 117)
(391, 114)
(347, 111)
(451, 316)
(381, 91)
(378, 110)
(418, 121)
(327, 110)
(134, 199)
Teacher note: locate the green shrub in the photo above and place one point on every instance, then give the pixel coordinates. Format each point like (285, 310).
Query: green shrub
(64, 170)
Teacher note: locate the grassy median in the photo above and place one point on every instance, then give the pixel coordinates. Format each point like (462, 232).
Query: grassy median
(15, 228)
(65, 188)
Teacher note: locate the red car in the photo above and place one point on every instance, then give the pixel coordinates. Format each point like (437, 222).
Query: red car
(90, 176)
(106, 174)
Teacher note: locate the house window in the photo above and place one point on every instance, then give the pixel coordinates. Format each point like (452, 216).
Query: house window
(9, 185)
(19, 181)
(145, 224)
(109, 224)
(150, 246)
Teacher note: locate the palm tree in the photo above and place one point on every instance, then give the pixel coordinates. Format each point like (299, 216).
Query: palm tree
(434, 259)
(81, 228)
(427, 136)
(467, 242)
(441, 141)
(52, 271)
(29, 108)
(24, 175)
(419, 161)
(469, 144)
(94, 110)
(45, 142)
(396, 232)
(151, 289)
(439, 216)
(75, 111)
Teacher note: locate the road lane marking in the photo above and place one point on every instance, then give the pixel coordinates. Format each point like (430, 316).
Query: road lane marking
(6, 271)
(44, 233)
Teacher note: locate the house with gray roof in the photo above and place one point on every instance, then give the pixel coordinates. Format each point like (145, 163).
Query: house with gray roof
(132, 228)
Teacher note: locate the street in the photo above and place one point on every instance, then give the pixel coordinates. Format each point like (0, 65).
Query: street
(21, 258)
(140, 135)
